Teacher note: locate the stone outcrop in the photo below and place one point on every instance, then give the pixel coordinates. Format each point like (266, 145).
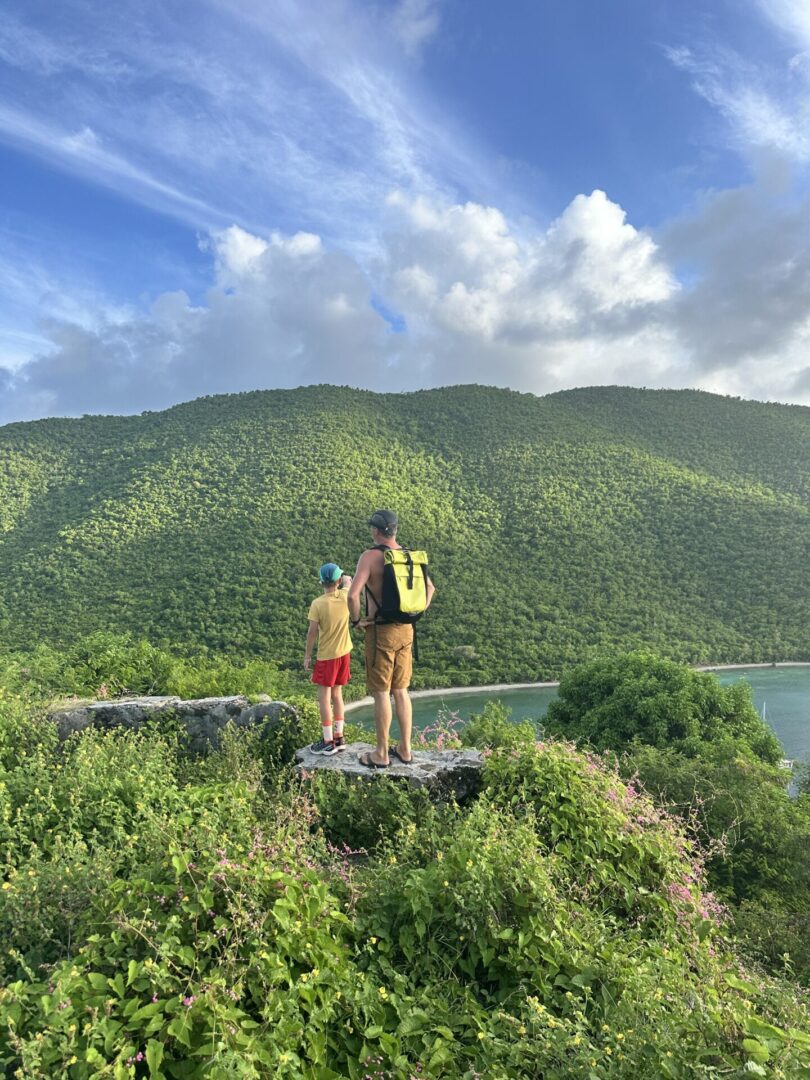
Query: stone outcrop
(442, 772)
(204, 719)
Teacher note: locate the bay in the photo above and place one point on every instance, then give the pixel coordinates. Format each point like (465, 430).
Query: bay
(782, 693)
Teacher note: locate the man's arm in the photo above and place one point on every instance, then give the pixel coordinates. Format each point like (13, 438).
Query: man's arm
(358, 584)
(431, 589)
(312, 635)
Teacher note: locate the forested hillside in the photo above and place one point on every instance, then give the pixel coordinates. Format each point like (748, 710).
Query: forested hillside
(556, 526)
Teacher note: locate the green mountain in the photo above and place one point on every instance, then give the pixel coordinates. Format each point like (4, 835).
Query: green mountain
(556, 526)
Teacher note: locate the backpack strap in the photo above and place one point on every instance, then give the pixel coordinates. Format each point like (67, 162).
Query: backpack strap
(369, 593)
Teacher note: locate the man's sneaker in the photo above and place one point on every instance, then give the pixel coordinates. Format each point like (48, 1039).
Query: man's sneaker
(340, 742)
(321, 747)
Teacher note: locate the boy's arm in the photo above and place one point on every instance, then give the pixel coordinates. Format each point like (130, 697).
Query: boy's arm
(312, 635)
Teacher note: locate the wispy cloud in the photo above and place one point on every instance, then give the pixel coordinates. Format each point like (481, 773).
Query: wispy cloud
(83, 152)
(765, 101)
(415, 22)
(261, 113)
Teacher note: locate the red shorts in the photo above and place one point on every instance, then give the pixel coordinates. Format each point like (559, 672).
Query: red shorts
(332, 672)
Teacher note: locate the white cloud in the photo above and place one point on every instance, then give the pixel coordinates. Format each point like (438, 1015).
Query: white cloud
(591, 299)
(539, 312)
(466, 273)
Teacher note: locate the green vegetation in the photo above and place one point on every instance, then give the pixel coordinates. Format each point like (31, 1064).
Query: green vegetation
(703, 753)
(558, 527)
(164, 918)
(599, 912)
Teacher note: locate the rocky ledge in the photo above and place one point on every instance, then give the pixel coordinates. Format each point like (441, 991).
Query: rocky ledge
(443, 772)
(204, 718)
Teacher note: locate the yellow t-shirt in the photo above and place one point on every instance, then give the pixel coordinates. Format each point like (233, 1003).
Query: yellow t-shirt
(331, 613)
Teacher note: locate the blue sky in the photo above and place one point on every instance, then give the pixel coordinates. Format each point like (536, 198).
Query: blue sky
(230, 194)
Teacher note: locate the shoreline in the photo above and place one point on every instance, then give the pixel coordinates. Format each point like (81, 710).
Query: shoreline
(499, 687)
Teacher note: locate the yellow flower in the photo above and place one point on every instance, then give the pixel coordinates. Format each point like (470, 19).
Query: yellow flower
(73, 1060)
(469, 864)
(373, 940)
(315, 973)
(619, 1036)
(482, 1035)
(446, 884)
(439, 855)
(304, 977)
(7, 885)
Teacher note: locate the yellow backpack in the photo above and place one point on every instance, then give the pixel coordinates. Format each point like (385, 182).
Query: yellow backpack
(404, 587)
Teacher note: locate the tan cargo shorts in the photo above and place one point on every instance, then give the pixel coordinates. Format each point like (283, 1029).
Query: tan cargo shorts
(389, 656)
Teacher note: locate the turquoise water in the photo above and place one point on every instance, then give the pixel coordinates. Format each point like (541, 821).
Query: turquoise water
(784, 693)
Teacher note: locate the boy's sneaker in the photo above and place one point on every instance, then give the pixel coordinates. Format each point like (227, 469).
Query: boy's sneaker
(321, 747)
(340, 742)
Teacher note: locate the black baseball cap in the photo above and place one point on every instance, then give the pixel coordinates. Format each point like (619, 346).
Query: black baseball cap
(383, 519)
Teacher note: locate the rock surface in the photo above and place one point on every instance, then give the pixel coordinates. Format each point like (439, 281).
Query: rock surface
(441, 771)
(204, 719)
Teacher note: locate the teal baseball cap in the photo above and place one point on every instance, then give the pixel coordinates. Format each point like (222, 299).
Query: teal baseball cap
(329, 573)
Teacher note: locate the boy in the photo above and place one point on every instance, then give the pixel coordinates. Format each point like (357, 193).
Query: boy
(329, 624)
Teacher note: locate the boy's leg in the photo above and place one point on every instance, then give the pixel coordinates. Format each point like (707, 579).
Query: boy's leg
(337, 710)
(325, 706)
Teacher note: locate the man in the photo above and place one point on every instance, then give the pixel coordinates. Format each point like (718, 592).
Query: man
(389, 646)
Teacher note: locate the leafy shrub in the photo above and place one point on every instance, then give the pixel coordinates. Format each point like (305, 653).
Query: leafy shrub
(362, 813)
(492, 729)
(757, 837)
(616, 701)
(110, 665)
(499, 953)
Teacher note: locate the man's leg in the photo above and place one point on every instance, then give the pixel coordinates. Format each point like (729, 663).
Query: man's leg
(379, 665)
(404, 710)
(400, 681)
(382, 724)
